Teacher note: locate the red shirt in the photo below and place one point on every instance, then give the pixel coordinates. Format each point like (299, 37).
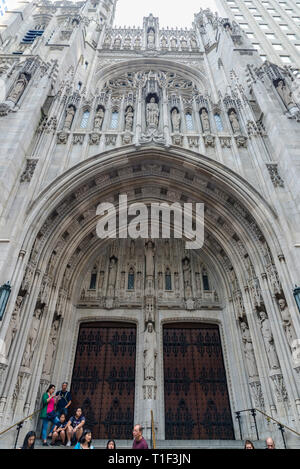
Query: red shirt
(142, 444)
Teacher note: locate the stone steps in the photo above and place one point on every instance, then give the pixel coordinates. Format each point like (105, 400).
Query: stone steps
(171, 445)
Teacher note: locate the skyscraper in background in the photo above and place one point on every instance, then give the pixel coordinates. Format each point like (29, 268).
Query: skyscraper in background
(273, 26)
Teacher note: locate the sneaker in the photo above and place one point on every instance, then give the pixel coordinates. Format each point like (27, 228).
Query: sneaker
(69, 444)
(45, 443)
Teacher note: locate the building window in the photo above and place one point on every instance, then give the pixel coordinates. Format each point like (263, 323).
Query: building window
(114, 120)
(93, 282)
(189, 121)
(85, 119)
(168, 280)
(277, 47)
(131, 279)
(219, 122)
(291, 37)
(206, 286)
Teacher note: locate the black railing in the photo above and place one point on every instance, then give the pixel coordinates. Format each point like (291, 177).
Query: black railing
(19, 426)
(253, 413)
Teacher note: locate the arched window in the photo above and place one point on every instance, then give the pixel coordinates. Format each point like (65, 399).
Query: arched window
(206, 286)
(168, 280)
(85, 119)
(189, 121)
(131, 279)
(93, 281)
(219, 122)
(114, 120)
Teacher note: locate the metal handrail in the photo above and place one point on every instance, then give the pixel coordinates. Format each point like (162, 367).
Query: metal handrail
(281, 426)
(278, 423)
(153, 430)
(19, 425)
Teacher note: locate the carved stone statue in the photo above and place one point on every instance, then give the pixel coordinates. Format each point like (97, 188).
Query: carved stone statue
(113, 269)
(49, 356)
(193, 42)
(18, 89)
(150, 353)
(98, 120)
(183, 43)
(137, 42)
(149, 253)
(285, 94)
(187, 278)
(13, 325)
(173, 43)
(152, 113)
(164, 43)
(117, 42)
(205, 120)
(151, 39)
(287, 323)
(69, 118)
(249, 351)
(175, 116)
(269, 341)
(32, 339)
(234, 122)
(129, 119)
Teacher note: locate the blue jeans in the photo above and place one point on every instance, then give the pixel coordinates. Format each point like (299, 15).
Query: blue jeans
(58, 414)
(46, 421)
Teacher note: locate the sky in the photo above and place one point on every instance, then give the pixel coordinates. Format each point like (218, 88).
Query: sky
(171, 13)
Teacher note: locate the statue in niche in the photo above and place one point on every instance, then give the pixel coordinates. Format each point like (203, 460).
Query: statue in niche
(176, 281)
(107, 41)
(127, 42)
(150, 353)
(32, 339)
(51, 348)
(268, 340)
(137, 42)
(194, 44)
(176, 119)
(287, 322)
(173, 43)
(249, 351)
(160, 281)
(113, 269)
(117, 43)
(151, 39)
(164, 43)
(101, 280)
(18, 89)
(69, 118)
(187, 278)
(149, 254)
(184, 43)
(132, 248)
(205, 120)
(285, 94)
(99, 117)
(13, 325)
(152, 113)
(129, 119)
(234, 121)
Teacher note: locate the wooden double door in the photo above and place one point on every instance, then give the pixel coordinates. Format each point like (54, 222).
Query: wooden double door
(195, 386)
(196, 396)
(103, 381)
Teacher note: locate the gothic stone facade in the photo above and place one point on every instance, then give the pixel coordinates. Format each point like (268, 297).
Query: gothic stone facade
(90, 112)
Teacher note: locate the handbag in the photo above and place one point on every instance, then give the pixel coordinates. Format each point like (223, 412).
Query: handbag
(51, 415)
